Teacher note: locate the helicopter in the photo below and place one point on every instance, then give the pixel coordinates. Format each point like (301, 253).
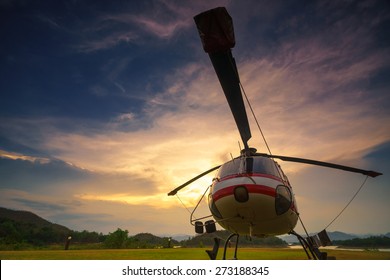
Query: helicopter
(250, 194)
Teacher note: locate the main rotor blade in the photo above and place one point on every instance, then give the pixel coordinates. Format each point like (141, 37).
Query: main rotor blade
(173, 192)
(325, 164)
(216, 32)
(223, 64)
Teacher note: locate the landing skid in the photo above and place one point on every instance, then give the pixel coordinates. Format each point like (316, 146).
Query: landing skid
(311, 250)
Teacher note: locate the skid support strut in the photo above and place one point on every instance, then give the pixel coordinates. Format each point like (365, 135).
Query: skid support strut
(213, 253)
(311, 250)
(227, 243)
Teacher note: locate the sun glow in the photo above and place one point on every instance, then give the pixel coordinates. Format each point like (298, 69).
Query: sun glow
(187, 198)
(157, 201)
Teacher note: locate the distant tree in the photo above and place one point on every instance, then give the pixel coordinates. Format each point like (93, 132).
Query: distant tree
(86, 237)
(117, 239)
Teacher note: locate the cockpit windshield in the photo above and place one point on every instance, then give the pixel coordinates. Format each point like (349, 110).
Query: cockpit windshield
(260, 165)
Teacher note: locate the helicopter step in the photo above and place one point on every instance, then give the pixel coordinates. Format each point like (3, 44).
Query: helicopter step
(311, 245)
(209, 225)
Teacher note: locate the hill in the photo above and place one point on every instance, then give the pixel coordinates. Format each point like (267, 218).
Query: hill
(148, 240)
(26, 217)
(26, 227)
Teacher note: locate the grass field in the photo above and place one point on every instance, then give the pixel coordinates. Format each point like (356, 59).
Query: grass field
(184, 254)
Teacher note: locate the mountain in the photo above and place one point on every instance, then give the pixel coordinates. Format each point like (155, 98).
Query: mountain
(338, 235)
(182, 237)
(25, 227)
(146, 240)
(26, 217)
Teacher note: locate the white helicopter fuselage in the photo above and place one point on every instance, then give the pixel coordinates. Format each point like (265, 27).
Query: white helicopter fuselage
(252, 196)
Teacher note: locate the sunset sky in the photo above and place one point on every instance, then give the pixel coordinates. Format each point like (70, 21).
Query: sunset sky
(106, 106)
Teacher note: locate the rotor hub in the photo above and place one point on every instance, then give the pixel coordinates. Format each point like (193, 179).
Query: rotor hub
(248, 152)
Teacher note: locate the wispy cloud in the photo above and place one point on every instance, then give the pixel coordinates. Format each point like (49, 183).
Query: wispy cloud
(15, 156)
(106, 42)
(161, 19)
(38, 203)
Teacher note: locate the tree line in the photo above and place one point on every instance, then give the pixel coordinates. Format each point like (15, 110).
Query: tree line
(16, 235)
(372, 242)
(35, 232)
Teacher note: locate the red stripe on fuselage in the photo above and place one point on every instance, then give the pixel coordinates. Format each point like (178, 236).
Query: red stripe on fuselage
(252, 189)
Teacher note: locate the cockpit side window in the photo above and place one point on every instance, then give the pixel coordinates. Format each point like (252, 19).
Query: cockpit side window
(230, 168)
(265, 166)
